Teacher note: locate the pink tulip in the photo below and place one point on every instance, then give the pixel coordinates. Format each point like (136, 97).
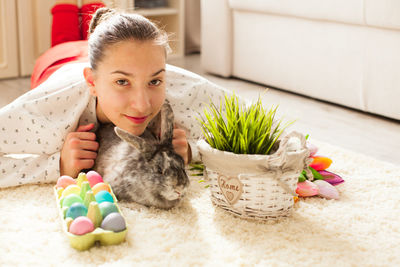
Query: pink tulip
(326, 190)
(307, 189)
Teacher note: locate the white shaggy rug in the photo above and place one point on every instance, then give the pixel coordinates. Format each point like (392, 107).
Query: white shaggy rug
(360, 229)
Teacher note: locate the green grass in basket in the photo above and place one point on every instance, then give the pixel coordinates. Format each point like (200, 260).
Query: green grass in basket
(242, 130)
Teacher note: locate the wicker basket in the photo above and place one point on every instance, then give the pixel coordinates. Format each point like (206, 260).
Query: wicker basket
(256, 186)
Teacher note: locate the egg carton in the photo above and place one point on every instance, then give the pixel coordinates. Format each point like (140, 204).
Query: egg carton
(98, 235)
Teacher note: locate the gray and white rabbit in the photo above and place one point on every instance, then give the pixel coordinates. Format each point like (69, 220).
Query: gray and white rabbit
(144, 169)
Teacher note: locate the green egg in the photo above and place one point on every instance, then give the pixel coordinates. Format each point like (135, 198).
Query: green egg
(71, 199)
(107, 208)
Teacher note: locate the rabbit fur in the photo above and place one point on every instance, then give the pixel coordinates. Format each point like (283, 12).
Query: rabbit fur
(144, 169)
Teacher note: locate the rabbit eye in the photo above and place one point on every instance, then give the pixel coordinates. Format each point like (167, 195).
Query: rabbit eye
(159, 169)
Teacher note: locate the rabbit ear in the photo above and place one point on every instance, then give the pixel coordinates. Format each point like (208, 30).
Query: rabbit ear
(135, 141)
(167, 123)
(155, 124)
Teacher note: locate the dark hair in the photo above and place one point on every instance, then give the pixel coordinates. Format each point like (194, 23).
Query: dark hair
(109, 27)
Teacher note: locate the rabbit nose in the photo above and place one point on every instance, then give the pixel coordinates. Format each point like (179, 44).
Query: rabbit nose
(179, 193)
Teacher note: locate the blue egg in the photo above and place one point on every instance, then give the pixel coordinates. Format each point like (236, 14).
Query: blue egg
(76, 210)
(114, 222)
(103, 196)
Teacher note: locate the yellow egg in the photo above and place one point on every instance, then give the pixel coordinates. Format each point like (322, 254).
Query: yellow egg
(100, 187)
(71, 189)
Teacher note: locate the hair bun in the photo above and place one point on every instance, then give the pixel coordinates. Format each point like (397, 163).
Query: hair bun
(100, 15)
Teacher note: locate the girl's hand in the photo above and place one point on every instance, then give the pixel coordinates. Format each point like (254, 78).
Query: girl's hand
(78, 151)
(181, 145)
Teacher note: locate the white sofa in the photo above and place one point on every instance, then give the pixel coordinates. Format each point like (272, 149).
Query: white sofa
(342, 51)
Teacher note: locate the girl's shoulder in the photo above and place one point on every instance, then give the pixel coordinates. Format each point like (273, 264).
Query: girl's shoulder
(67, 81)
(68, 76)
(69, 73)
(177, 73)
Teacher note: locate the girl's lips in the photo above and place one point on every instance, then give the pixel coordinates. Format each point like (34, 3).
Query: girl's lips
(137, 120)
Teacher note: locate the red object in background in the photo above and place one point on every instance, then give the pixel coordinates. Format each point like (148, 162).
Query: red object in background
(87, 12)
(69, 42)
(65, 27)
(56, 57)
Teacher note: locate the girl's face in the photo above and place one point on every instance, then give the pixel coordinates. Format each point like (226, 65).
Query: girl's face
(129, 84)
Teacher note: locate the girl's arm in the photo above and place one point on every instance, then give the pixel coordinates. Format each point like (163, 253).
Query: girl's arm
(30, 169)
(38, 123)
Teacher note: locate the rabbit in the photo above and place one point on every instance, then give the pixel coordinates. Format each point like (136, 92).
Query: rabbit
(144, 169)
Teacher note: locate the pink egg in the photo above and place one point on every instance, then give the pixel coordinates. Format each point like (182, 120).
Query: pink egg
(94, 178)
(65, 181)
(81, 225)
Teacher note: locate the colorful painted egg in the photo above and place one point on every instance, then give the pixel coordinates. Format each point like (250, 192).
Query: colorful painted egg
(65, 181)
(81, 225)
(71, 189)
(114, 222)
(71, 199)
(104, 196)
(94, 178)
(76, 210)
(100, 187)
(107, 208)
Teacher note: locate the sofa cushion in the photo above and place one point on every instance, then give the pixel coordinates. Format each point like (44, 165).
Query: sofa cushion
(375, 13)
(347, 11)
(383, 13)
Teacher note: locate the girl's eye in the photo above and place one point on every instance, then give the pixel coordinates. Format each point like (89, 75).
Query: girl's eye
(155, 82)
(122, 82)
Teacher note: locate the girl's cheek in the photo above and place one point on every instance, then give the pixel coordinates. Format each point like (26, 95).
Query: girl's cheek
(113, 101)
(118, 96)
(158, 96)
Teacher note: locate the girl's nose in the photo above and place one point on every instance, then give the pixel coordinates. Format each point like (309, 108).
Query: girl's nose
(141, 101)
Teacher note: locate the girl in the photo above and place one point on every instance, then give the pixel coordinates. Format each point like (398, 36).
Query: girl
(125, 83)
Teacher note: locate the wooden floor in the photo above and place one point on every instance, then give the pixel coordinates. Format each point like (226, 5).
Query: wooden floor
(375, 136)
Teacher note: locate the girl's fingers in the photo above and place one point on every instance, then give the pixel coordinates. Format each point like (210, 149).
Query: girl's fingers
(85, 128)
(84, 154)
(179, 133)
(84, 136)
(180, 145)
(86, 163)
(89, 145)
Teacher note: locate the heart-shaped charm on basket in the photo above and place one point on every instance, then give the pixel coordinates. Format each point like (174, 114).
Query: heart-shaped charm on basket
(231, 188)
